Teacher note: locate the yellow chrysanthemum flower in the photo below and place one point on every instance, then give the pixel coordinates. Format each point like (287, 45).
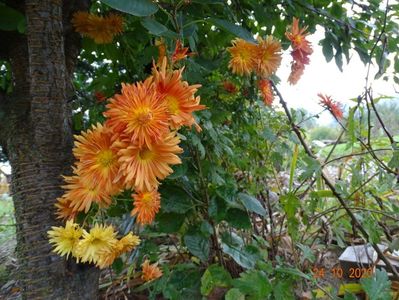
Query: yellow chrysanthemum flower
(125, 244)
(65, 239)
(101, 29)
(146, 205)
(243, 57)
(100, 239)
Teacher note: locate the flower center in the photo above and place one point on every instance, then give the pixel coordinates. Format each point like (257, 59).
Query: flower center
(147, 199)
(143, 115)
(146, 154)
(173, 105)
(105, 158)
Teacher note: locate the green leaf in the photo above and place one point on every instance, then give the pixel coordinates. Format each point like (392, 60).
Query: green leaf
(394, 162)
(293, 166)
(245, 256)
(234, 29)
(169, 222)
(312, 166)
(254, 283)
(338, 59)
(238, 218)
(294, 272)
(372, 228)
(198, 245)
(327, 49)
(140, 8)
(307, 253)
(11, 19)
(214, 276)
(117, 265)
(290, 203)
(153, 26)
(252, 204)
(234, 294)
(175, 199)
(377, 287)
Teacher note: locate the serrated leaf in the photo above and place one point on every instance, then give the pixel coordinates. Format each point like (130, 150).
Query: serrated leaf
(234, 294)
(214, 276)
(237, 30)
(252, 204)
(139, 8)
(377, 287)
(254, 283)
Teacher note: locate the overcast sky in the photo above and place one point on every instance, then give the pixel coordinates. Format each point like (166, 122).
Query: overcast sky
(323, 77)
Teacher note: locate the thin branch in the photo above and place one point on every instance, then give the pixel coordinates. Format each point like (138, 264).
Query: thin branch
(332, 187)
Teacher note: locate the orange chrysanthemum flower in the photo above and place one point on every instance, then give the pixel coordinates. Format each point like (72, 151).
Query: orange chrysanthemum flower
(81, 192)
(229, 87)
(268, 56)
(97, 161)
(150, 272)
(142, 166)
(180, 52)
(333, 106)
(146, 205)
(101, 29)
(301, 50)
(138, 112)
(64, 209)
(178, 96)
(297, 36)
(297, 69)
(243, 57)
(266, 90)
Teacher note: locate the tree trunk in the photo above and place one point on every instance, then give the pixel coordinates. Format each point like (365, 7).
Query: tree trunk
(38, 140)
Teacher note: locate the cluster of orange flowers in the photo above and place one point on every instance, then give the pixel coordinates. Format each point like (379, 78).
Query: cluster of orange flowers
(101, 29)
(301, 51)
(264, 58)
(135, 148)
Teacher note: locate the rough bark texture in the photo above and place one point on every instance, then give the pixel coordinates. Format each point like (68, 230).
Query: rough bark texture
(36, 133)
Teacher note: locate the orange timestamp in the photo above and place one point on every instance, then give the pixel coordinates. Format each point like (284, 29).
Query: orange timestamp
(338, 272)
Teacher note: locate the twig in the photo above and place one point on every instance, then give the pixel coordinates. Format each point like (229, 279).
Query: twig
(332, 187)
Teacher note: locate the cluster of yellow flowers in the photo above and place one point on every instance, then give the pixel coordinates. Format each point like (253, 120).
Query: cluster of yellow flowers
(264, 58)
(101, 29)
(99, 246)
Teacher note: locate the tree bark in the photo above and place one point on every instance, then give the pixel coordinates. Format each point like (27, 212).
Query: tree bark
(37, 135)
